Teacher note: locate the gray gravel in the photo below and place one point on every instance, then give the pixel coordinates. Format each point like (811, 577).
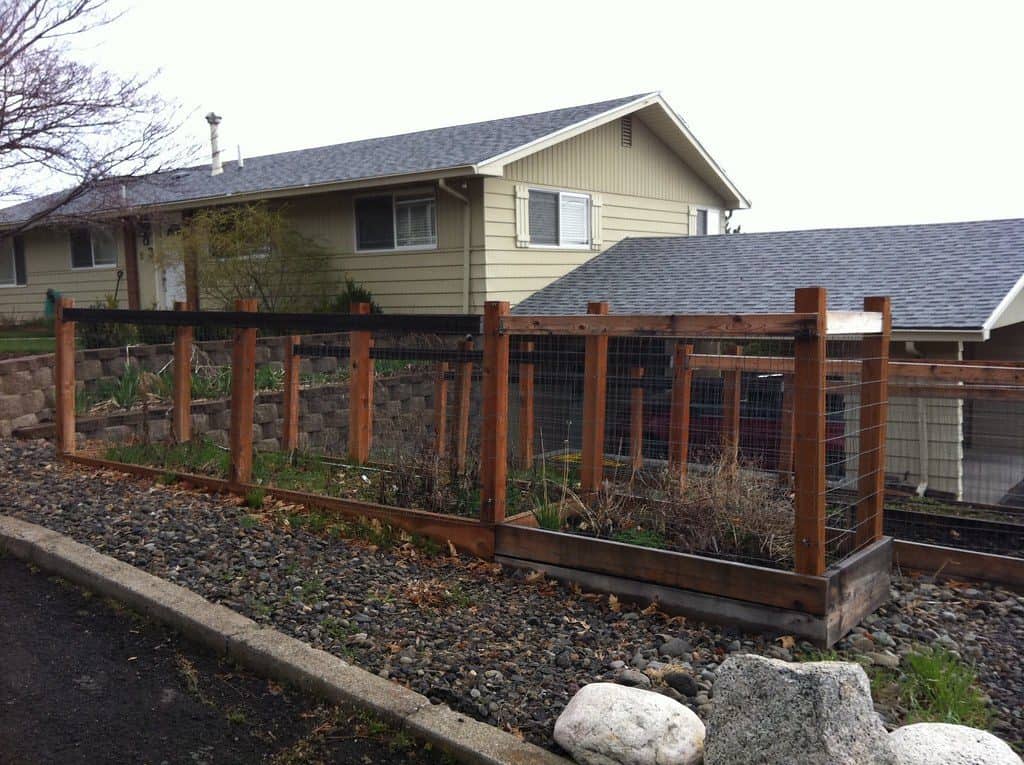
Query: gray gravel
(503, 647)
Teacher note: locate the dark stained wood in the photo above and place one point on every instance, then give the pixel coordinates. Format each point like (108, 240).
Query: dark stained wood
(786, 429)
(858, 585)
(243, 397)
(809, 437)
(360, 405)
(131, 263)
(595, 393)
(636, 420)
(463, 403)
(526, 410)
(181, 417)
(214, 485)
(874, 416)
(64, 382)
(990, 393)
(290, 395)
(732, 398)
(718, 325)
(754, 584)
(951, 563)
(679, 412)
(494, 428)
(441, 409)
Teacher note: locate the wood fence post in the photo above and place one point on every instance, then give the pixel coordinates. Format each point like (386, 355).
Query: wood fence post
(494, 429)
(786, 430)
(809, 436)
(679, 412)
(290, 395)
(595, 396)
(874, 406)
(243, 397)
(464, 400)
(360, 400)
(64, 382)
(636, 419)
(181, 417)
(732, 398)
(441, 409)
(526, 412)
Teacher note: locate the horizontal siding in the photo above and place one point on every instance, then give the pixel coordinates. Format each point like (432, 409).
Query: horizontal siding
(596, 161)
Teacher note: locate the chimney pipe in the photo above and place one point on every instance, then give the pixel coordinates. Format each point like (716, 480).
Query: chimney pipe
(241, 160)
(215, 166)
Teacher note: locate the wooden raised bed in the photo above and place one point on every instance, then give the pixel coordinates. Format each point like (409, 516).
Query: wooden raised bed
(819, 608)
(952, 563)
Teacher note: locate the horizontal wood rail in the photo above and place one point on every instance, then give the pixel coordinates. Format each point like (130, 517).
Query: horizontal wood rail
(952, 563)
(854, 322)
(989, 392)
(672, 325)
(465, 533)
(435, 324)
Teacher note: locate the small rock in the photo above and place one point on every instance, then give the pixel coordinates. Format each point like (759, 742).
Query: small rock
(884, 659)
(605, 724)
(681, 681)
(633, 679)
(944, 744)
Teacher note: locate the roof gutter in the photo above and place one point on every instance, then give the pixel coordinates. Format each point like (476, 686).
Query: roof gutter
(466, 260)
(940, 335)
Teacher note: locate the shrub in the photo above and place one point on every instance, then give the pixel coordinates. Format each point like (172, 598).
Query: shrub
(353, 292)
(103, 334)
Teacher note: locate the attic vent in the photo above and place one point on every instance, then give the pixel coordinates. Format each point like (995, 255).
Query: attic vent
(626, 126)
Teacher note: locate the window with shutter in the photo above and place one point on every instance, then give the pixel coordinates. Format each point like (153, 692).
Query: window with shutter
(704, 221)
(81, 248)
(559, 219)
(375, 226)
(20, 272)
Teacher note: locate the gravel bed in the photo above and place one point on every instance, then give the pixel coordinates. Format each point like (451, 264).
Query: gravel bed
(501, 646)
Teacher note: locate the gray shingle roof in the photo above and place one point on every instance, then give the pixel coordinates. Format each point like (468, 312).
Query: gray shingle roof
(941, 276)
(423, 151)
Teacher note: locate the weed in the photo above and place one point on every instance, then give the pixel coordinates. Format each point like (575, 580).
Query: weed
(459, 596)
(549, 516)
(84, 401)
(254, 498)
(248, 521)
(936, 686)
(335, 629)
(168, 479)
(237, 716)
(426, 545)
(641, 538)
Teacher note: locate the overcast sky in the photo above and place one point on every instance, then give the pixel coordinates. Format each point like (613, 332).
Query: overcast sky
(824, 114)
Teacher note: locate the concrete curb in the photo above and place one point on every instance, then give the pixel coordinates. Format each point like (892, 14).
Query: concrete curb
(267, 651)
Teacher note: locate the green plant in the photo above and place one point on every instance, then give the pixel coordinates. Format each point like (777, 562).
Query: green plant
(237, 716)
(168, 479)
(641, 538)
(211, 382)
(352, 292)
(84, 401)
(105, 335)
(937, 686)
(459, 596)
(269, 378)
(126, 390)
(249, 521)
(254, 498)
(549, 516)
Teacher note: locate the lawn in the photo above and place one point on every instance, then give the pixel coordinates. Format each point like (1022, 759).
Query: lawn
(26, 339)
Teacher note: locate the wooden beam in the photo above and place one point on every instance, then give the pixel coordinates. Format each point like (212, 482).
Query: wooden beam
(181, 417)
(874, 415)
(952, 563)
(595, 395)
(494, 428)
(64, 383)
(991, 393)
(526, 410)
(290, 394)
(360, 400)
(463, 403)
(243, 397)
(786, 429)
(732, 399)
(131, 263)
(854, 322)
(636, 420)
(679, 412)
(809, 437)
(717, 325)
(441, 409)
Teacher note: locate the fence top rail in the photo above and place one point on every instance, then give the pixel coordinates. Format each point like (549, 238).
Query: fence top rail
(854, 322)
(436, 324)
(665, 325)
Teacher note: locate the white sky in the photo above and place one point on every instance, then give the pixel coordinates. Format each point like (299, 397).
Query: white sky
(824, 114)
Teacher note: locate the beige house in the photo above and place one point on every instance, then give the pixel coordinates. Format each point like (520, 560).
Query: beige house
(440, 220)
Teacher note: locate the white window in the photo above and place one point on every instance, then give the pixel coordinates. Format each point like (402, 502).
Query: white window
(93, 248)
(705, 221)
(559, 219)
(12, 262)
(396, 221)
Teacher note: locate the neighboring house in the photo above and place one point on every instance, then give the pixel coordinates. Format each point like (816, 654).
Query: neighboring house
(439, 220)
(957, 292)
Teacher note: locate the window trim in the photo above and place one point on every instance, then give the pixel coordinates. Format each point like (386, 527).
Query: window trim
(92, 253)
(411, 195)
(14, 269)
(707, 210)
(590, 212)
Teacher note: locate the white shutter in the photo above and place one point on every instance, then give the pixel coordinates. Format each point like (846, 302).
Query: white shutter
(692, 224)
(713, 221)
(522, 216)
(574, 219)
(595, 222)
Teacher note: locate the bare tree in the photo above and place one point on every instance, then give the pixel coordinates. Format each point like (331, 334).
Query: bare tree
(71, 121)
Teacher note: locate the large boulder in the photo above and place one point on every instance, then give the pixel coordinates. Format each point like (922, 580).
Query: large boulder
(772, 711)
(943, 744)
(610, 724)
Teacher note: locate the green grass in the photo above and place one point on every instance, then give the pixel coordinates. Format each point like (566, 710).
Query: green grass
(936, 686)
(254, 498)
(25, 346)
(549, 516)
(642, 538)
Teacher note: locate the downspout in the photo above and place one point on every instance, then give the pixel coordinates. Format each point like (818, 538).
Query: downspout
(443, 185)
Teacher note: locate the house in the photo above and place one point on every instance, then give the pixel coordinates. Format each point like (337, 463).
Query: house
(439, 220)
(957, 292)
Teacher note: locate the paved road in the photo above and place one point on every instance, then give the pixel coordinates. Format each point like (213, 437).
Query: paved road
(83, 681)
